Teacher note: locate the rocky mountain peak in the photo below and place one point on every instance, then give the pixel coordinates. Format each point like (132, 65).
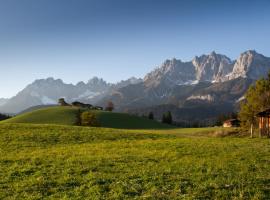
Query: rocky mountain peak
(134, 80)
(157, 85)
(213, 53)
(171, 72)
(252, 65)
(96, 81)
(130, 81)
(80, 84)
(46, 82)
(212, 67)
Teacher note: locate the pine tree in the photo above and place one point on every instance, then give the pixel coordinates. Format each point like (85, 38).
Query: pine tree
(257, 99)
(151, 115)
(167, 118)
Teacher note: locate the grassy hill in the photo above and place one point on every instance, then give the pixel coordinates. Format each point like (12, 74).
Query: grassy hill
(67, 116)
(51, 115)
(71, 162)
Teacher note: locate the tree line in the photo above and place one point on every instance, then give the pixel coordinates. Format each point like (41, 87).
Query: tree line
(166, 117)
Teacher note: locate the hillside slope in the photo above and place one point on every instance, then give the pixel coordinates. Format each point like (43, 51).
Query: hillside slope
(68, 116)
(51, 115)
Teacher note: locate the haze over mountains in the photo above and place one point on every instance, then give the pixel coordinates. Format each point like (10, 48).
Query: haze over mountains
(208, 85)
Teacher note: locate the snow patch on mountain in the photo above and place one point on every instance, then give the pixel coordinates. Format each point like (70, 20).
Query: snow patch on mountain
(89, 94)
(191, 82)
(207, 97)
(240, 99)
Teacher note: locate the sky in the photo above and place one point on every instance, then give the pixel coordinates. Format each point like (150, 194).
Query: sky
(115, 39)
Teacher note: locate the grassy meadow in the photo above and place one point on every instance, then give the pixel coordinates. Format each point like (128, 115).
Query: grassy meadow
(69, 162)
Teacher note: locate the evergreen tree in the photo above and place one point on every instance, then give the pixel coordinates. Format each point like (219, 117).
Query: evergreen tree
(257, 99)
(167, 118)
(151, 115)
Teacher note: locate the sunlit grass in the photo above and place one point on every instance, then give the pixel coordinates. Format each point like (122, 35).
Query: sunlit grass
(65, 162)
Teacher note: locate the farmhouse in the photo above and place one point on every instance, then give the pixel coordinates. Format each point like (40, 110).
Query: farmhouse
(231, 123)
(264, 122)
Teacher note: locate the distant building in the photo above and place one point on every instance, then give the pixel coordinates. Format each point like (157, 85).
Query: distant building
(81, 105)
(231, 123)
(264, 122)
(62, 102)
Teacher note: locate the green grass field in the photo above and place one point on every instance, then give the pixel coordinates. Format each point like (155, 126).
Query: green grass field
(126, 121)
(68, 162)
(67, 116)
(51, 115)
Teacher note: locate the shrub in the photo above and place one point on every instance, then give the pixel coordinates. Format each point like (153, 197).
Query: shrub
(89, 118)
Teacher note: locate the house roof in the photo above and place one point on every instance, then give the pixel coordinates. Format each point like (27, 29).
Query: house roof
(264, 113)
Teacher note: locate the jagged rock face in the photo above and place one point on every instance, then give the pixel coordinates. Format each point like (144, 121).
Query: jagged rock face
(172, 72)
(252, 65)
(48, 91)
(173, 82)
(212, 67)
(124, 83)
(96, 84)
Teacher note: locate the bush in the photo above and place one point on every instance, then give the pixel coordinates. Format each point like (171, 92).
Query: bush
(89, 118)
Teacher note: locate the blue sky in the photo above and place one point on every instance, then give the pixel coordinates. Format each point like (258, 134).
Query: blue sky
(115, 39)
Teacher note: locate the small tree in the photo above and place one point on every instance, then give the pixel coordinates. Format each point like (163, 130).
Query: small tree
(89, 118)
(110, 106)
(167, 118)
(151, 115)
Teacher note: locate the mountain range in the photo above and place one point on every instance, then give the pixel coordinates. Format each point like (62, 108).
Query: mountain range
(202, 88)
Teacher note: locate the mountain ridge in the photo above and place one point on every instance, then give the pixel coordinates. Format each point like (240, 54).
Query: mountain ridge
(174, 82)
